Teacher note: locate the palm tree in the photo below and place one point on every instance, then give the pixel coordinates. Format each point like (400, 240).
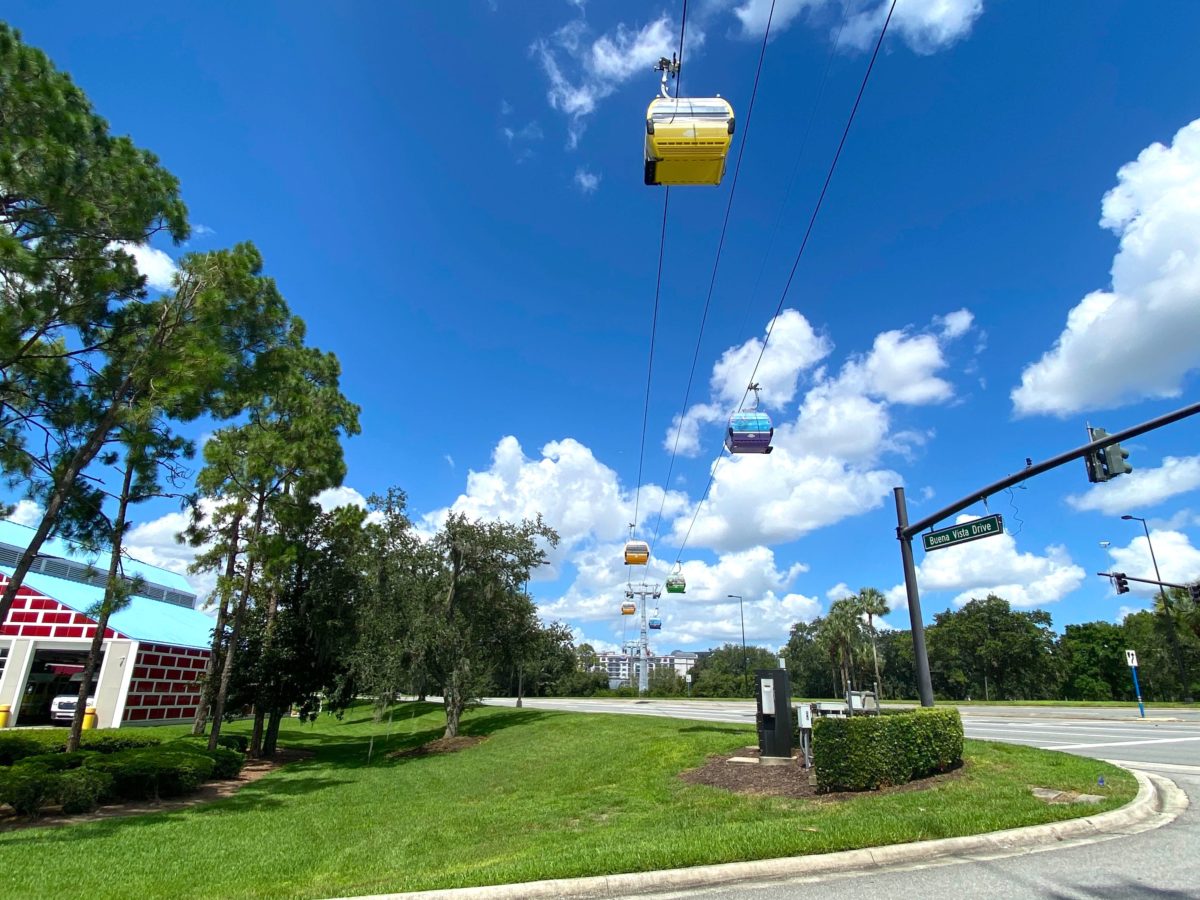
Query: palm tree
(842, 632)
(872, 603)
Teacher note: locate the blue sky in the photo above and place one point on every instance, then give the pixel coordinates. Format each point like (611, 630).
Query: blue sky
(451, 196)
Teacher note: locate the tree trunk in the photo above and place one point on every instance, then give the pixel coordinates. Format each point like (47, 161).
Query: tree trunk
(63, 483)
(454, 699)
(256, 734)
(272, 737)
(235, 632)
(875, 656)
(106, 608)
(520, 681)
(210, 665)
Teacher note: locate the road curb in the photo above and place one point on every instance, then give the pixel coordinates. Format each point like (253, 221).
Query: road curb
(1158, 802)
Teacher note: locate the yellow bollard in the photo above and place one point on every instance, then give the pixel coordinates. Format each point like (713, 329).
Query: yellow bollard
(89, 718)
(5, 710)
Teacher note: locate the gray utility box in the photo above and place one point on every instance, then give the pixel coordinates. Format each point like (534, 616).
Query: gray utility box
(773, 691)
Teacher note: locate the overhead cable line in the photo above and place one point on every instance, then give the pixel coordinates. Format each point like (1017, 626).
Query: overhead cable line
(812, 221)
(803, 244)
(657, 293)
(716, 264)
(787, 195)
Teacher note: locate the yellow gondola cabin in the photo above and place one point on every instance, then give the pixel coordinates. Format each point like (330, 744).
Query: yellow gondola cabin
(637, 553)
(687, 140)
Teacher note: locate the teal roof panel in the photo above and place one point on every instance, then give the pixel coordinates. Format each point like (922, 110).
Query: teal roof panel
(143, 619)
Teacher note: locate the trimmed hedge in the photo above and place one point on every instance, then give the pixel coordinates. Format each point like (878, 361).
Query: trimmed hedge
(863, 753)
(80, 790)
(28, 789)
(120, 767)
(238, 742)
(227, 762)
(149, 773)
(16, 745)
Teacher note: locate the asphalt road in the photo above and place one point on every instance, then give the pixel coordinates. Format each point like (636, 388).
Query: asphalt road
(1159, 863)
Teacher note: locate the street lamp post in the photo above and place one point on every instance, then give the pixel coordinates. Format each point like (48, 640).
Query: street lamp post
(742, 613)
(1166, 604)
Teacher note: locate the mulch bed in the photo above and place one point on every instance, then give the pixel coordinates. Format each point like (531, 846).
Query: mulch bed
(790, 780)
(253, 770)
(441, 745)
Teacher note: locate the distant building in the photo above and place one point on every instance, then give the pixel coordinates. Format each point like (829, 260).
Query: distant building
(154, 650)
(622, 668)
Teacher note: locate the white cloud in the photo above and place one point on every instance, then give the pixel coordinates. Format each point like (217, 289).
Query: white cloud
(26, 512)
(609, 61)
(331, 498)
(955, 324)
(925, 25)
(794, 347)
(823, 468)
(158, 268)
(1178, 560)
(771, 499)
(1137, 340)
(705, 613)
(838, 591)
(993, 565)
(154, 542)
(1141, 488)
(578, 496)
(587, 181)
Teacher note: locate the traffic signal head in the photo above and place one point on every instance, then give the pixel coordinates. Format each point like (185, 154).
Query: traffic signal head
(1122, 582)
(1114, 460)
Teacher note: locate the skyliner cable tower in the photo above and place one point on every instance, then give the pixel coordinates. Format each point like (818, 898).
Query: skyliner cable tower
(642, 591)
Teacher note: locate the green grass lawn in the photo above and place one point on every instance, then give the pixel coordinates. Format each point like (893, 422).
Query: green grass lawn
(547, 795)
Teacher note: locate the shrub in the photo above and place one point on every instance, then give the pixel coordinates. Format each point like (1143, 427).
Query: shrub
(145, 773)
(227, 763)
(238, 742)
(80, 790)
(113, 740)
(56, 762)
(26, 790)
(17, 745)
(862, 753)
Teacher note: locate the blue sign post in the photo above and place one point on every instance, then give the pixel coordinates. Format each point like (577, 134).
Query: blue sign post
(1131, 658)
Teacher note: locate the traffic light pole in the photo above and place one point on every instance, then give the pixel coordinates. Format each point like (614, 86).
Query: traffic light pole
(1161, 584)
(906, 532)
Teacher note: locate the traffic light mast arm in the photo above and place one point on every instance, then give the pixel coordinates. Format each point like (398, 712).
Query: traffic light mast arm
(1169, 584)
(908, 532)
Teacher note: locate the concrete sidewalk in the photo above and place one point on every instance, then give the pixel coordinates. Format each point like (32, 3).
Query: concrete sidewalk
(1158, 802)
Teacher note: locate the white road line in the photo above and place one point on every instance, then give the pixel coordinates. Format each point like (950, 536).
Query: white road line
(1128, 743)
(1157, 767)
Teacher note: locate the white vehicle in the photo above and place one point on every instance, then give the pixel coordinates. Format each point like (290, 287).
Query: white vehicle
(62, 708)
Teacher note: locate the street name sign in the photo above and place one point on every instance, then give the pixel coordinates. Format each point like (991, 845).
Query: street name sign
(960, 534)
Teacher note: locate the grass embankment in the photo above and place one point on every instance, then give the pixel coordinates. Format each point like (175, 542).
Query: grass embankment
(547, 795)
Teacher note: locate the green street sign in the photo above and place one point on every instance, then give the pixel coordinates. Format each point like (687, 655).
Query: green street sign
(960, 534)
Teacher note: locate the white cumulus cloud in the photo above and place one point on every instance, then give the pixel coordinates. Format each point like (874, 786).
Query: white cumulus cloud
(158, 268)
(1141, 488)
(925, 25)
(582, 72)
(1178, 560)
(1138, 339)
(586, 181)
(993, 565)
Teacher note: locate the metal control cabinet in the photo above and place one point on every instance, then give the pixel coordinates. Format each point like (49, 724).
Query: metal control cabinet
(773, 692)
